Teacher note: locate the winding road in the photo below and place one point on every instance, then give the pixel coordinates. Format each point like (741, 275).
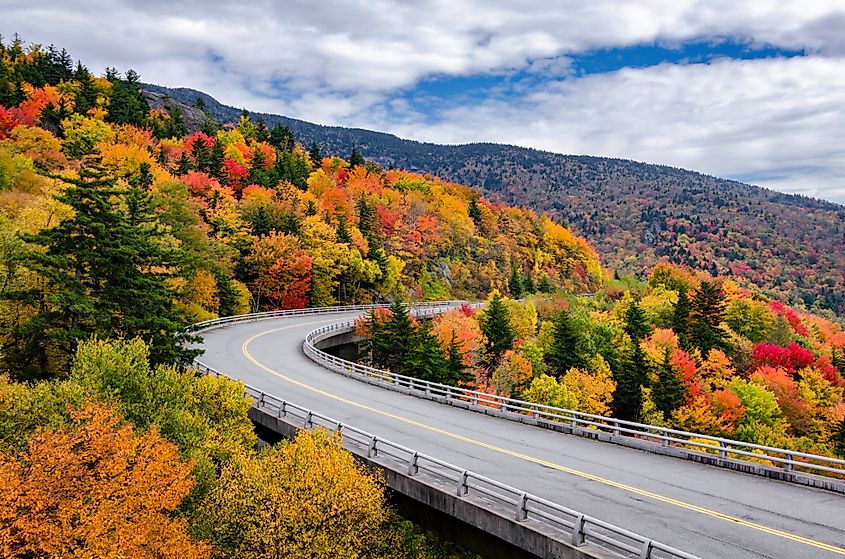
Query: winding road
(704, 510)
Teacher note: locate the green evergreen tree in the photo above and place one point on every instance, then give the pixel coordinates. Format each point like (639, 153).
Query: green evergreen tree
(183, 166)
(343, 235)
(708, 307)
(669, 392)
(315, 154)
(545, 285)
(528, 284)
(201, 155)
(356, 158)
(515, 285)
(497, 330)
(681, 319)
(633, 374)
(563, 353)
(473, 210)
(781, 333)
(126, 104)
(215, 159)
(425, 358)
(226, 294)
(105, 272)
(281, 138)
(455, 357)
(392, 339)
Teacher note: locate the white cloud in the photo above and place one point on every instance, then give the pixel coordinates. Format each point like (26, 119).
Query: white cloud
(344, 62)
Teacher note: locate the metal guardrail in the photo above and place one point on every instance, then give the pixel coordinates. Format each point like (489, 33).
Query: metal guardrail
(254, 317)
(682, 441)
(575, 527)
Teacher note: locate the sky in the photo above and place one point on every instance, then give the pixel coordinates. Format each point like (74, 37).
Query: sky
(752, 90)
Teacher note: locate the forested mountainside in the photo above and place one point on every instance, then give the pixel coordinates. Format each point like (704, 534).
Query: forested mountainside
(635, 214)
(115, 220)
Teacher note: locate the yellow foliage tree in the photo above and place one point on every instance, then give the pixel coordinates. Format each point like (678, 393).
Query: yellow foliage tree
(306, 499)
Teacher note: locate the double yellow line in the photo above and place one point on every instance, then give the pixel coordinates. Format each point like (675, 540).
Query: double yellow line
(532, 459)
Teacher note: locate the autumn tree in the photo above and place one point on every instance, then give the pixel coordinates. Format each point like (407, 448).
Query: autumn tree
(307, 498)
(95, 488)
(356, 158)
(515, 284)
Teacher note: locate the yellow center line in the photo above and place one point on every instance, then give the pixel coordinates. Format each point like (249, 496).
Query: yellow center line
(532, 459)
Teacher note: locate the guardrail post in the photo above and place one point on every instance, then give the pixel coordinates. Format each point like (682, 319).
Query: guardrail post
(261, 400)
(645, 552)
(579, 537)
(723, 450)
(664, 440)
(372, 450)
(448, 393)
(283, 409)
(413, 468)
(308, 420)
(787, 466)
(522, 508)
(463, 488)
(616, 431)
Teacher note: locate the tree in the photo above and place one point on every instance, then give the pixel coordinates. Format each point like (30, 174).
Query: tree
(314, 154)
(473, 210)
(126, 104)
(106, 274)
(680, 319)
(707, 314)
(528, 284)
(545, 285)
(515, 285)
(456, 362)
(563, 353)
(95, 489)
(391, 338)
(307, 498)
(496, 327)
(633, 375)
(356, 158)
(838, 438)
(669, 392)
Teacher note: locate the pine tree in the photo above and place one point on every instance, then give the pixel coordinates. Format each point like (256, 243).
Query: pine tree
(563, 353)
(201, 155)
(545, 285)
(314, 154)
(515, 286)
(356, 158)
(425, 358)
(707, 309)
(392, 338)
(669, 392)
(126, 104)
(680, 319)
(183, 166)
(343, 235)
(105, 271)
(455, 357)
(633, 375)
(528, 284)
(474, 211)
(281, 138)
(215, 159)
(497, 330)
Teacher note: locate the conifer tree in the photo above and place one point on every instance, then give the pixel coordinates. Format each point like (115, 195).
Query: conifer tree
(183, 165)
(425, 358)
(343, 235)
(215, 159)
(528, 284)
(680, 319)
(669, 392)
(838, 439)
(455, 358)
(201, 155)
(106, 273)
(473, 210)
(515, 285)
(707, 310)
(314, 154)
(356, 158)
(497, 330)
(545, 285)
(563, 353)
(633, 374)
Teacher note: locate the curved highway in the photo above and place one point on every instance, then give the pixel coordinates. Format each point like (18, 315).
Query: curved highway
(707, 511)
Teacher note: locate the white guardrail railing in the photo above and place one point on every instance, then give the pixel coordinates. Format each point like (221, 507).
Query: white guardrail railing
(681, 441)
(577, 528)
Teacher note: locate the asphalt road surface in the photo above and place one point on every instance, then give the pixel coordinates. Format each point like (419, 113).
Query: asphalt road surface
(704, 510)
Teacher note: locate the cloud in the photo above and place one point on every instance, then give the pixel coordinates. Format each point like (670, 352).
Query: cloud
(777, 121)
(351, 62)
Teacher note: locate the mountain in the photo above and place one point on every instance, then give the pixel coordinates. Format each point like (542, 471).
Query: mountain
(635, 214)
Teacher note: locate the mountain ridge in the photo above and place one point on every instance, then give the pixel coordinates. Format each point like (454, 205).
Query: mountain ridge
(635, 214)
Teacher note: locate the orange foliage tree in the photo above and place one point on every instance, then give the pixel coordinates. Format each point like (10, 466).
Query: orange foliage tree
(95, 489)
